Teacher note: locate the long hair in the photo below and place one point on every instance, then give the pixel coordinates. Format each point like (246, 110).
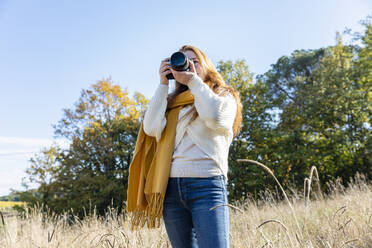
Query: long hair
(215, 81)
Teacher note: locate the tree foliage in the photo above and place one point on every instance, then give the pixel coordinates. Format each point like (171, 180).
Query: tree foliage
(93, 171)
(312, 108)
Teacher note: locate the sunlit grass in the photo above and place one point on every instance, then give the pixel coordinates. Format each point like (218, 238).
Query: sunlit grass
(342, 218)
(6, 205)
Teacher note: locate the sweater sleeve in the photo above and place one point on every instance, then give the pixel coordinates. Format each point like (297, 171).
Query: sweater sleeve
(154, 120)
(218, 112)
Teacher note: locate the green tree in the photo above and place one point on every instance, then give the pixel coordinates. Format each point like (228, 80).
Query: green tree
(312, 108)
(93, 171)
(324, 116)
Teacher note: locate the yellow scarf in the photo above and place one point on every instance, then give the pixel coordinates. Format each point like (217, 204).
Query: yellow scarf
(150, 168)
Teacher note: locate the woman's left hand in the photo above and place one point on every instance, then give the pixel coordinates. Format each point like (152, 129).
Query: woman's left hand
(184, 77)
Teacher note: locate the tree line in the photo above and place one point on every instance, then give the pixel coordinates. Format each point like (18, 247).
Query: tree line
(311, 108)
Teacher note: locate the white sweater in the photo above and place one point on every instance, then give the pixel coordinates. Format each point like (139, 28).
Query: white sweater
(211, 131)
(189, 160)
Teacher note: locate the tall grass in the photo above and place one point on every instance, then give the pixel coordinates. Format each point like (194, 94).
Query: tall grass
(343, 218)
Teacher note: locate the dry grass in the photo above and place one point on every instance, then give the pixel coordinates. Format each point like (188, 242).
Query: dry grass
(341, 219)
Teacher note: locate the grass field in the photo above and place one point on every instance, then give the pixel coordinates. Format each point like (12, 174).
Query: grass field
(341, 219)
(5, 205)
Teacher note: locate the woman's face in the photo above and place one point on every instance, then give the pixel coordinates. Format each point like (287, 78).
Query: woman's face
(198, 67)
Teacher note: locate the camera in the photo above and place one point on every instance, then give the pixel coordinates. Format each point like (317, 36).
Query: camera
(179, 62)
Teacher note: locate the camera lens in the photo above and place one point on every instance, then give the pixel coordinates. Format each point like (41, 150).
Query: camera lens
(178, 62)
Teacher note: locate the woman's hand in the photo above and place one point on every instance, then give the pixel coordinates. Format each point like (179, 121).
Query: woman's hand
(184, 77)
(164, 71)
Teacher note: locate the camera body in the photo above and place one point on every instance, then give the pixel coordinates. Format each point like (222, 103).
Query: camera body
(179, 62)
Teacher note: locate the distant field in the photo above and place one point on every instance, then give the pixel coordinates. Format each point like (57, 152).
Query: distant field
(9, 204)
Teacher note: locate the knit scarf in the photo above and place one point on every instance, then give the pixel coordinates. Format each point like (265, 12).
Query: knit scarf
(150, 168)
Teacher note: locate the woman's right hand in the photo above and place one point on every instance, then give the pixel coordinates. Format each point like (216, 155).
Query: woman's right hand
(164, 71)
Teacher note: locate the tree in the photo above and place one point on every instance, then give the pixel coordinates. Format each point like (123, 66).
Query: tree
(93, 171)
(324, 113)
(312, 108)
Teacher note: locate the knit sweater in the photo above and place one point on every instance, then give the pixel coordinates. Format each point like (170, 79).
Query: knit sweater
(211, 131)
(190, 161)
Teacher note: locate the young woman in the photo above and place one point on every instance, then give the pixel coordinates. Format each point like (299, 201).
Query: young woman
(191, 130)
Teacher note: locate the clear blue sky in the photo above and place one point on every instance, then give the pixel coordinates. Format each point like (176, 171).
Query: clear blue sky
(51, 50)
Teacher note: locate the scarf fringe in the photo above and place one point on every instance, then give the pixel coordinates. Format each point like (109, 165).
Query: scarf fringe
(151, 214)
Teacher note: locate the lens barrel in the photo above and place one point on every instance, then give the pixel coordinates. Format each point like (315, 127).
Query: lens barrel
(178, 62)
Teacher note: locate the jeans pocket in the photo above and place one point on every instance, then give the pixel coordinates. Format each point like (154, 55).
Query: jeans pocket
(206, 191)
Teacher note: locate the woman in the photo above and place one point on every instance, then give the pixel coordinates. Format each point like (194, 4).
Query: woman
(179, 170)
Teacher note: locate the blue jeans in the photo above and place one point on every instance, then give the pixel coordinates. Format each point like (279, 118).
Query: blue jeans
(187, 216)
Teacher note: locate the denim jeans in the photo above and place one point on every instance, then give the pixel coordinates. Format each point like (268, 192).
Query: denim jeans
(188, 220)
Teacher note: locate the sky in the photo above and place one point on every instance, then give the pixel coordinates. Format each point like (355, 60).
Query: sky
(51, 50)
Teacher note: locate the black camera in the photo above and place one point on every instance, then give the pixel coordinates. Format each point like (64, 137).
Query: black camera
(179, 62)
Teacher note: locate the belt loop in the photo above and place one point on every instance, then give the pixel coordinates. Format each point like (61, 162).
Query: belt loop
(223, 178)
